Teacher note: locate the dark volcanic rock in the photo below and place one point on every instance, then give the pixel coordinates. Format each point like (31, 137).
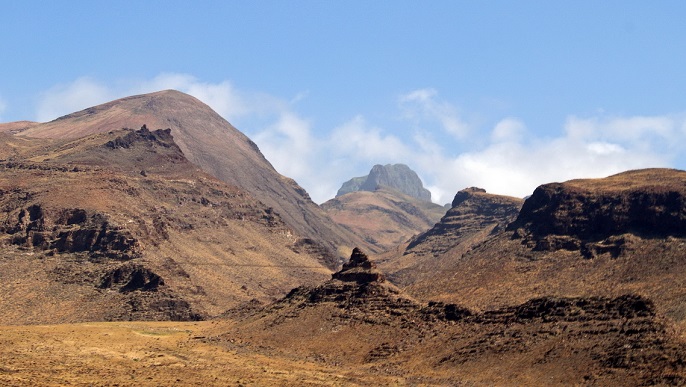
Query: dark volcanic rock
(396, 176)
(159, 137)
(552, 308)
(593, 215)
(359, 289)
(617, 334)
(154, 306)
(473, 210)
(130, 277)
(359, 269)
(71, 230)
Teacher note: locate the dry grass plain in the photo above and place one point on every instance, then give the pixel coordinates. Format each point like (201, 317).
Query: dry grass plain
(152, 354)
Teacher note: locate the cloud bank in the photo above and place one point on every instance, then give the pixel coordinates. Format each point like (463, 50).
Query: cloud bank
(508, 158)
(3, 106)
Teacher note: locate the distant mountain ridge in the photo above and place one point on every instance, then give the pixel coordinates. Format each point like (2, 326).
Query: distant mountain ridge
(396, 176)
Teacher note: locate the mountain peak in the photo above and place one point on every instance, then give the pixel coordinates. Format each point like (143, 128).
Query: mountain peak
(210, 142)
(395, 176)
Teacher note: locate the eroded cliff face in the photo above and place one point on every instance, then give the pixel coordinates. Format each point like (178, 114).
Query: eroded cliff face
(473, 211)
(593, 237)
(71, 230)
(592, 217)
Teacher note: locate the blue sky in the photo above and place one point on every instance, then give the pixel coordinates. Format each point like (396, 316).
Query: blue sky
(505, 95)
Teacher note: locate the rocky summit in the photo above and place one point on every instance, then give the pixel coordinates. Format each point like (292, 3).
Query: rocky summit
(359, 269)
(359, 287)
(395, 176)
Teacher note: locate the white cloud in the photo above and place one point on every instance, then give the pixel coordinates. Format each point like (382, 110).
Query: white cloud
(358, 140)
(604, 148)
(516, 169)
(423, 107)
(3, 107)
(420, 95)
(68, 98)
(508, 129)
(514, 164)
(621, 128)
(288, 144)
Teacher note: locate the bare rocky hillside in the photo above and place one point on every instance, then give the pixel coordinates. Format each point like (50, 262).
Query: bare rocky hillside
(121, 226)
(210, 142)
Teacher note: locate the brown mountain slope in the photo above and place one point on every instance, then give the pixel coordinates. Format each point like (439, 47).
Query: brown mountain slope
(599, 237)
(475, 215)
(384, 218)
(120, 225)
(209, 141)
(16, 127)
(358, 321)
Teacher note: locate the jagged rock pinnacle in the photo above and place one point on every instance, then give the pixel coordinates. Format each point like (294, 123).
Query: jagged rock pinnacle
(359, 269)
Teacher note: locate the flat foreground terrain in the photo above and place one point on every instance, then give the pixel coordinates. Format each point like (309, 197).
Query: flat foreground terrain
(150, 354)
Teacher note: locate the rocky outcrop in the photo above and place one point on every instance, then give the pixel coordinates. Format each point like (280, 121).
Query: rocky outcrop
(130, 277)
(395, 176)
(627, 306)
(612, 335)
(586, 340)
(473, 211)
(153, 306)
(603, 214)
(359, 269)
(159, 137)
(359, 289)
(71, 230)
